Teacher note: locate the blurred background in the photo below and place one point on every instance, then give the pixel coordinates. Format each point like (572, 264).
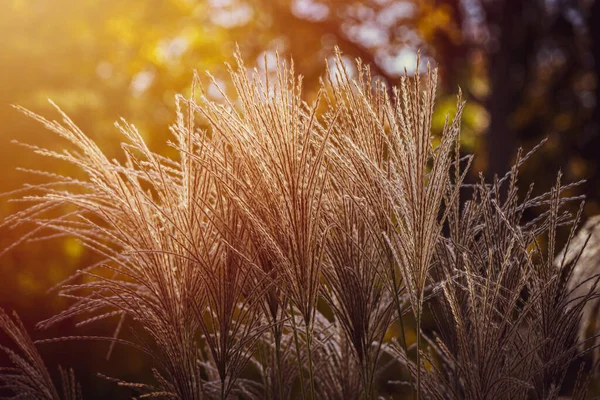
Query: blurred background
(529, 70)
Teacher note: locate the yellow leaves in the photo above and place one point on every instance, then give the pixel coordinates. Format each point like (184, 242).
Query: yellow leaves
(73, 248)
(121, 27)
(55, 273)
(479, 86)
(475, 121)
(477, 117)
(18, 5)
(395, 331)
(70, 100)
(28, 283)
(437, 18)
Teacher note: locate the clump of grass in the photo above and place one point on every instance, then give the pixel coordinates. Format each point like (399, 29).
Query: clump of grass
(288, 248)
(27, 376)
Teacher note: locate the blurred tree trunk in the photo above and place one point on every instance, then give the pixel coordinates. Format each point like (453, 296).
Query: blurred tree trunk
(501, 139)
(594, 34)
(515, 30)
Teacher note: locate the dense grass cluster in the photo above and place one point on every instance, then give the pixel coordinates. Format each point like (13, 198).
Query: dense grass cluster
(291, 248)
